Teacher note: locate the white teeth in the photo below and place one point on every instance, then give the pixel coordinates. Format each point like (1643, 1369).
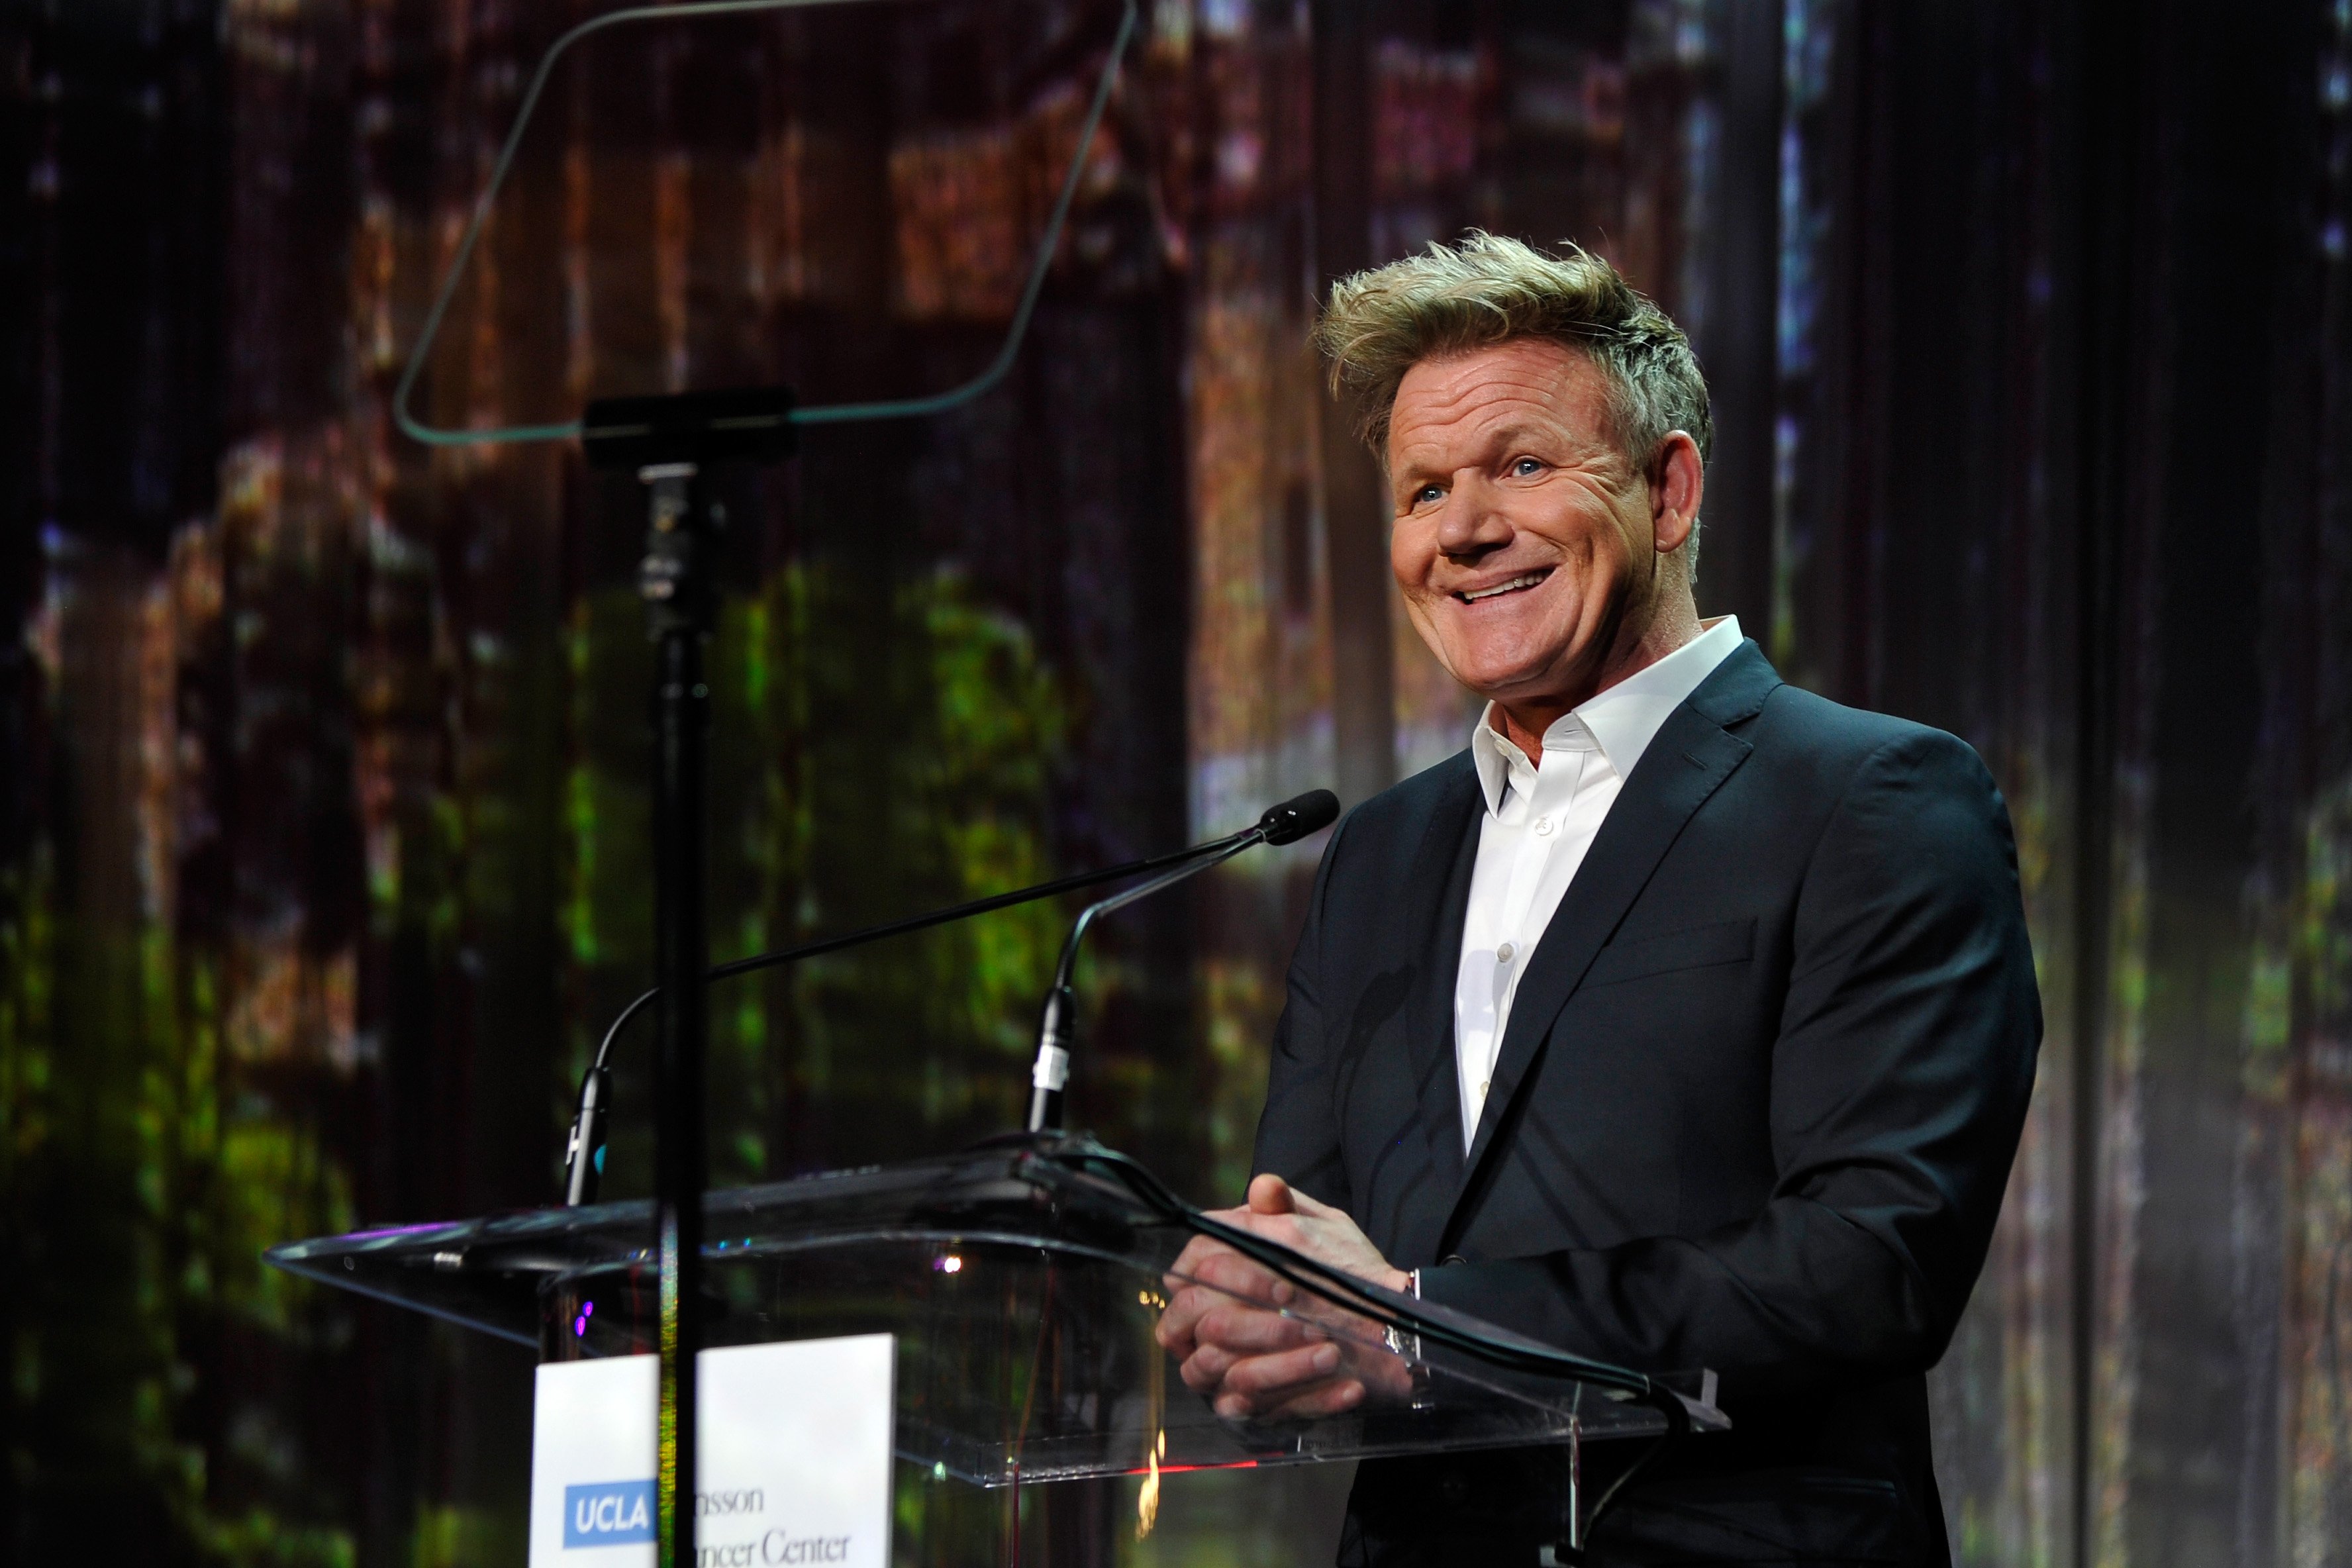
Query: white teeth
(1528, 581)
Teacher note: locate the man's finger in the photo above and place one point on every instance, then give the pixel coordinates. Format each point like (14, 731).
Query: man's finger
(1196, 1254)
(1219, 1335)
(1180, 1326)
(1211, 1369)
(1250, 1331)
(1265, 1379)
(1174, 1330)
(1270, 1388)
(1280, 1225)
(1270, 1193)
(1236, 1276)
(1198, 1315)
(1205, 1370)
(1310, 1207)
(1333, 1396)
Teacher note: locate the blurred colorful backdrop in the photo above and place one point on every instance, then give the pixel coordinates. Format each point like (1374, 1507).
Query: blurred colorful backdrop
(322, 833)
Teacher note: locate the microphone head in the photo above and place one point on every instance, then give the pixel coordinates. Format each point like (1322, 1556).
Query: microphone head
(1297, 817)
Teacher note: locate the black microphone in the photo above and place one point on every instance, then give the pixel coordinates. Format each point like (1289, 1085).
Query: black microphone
(1291, 821)
(1297, 817)
(584, 1154)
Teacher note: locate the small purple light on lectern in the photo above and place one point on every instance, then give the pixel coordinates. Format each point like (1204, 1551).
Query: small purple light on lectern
(948, 1264)
(580, 1323)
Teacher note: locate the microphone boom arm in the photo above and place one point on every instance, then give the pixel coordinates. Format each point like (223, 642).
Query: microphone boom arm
(584, 1154)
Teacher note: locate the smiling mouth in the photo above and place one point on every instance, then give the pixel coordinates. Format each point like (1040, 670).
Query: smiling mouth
(1524, 580)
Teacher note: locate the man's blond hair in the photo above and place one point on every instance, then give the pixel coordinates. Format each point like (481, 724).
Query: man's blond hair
(1489, 290)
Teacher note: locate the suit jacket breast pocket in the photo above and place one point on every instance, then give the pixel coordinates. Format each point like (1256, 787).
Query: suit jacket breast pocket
(1693, 947)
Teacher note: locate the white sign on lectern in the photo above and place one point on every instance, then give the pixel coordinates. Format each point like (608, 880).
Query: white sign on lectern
(795, 1468)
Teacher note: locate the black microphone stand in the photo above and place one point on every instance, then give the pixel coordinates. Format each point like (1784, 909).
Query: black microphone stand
(679, 605)
(668, 441)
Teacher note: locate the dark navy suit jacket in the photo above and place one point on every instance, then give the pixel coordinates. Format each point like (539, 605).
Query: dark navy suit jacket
(1754, 1111)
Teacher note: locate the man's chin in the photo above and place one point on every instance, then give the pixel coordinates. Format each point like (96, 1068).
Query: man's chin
(1500, 665)
(1504, 681)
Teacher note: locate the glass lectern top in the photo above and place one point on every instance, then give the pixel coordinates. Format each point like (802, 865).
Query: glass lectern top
(1024, 1292)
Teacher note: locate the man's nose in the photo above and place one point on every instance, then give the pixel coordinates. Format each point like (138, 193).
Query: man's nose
(1471, 525)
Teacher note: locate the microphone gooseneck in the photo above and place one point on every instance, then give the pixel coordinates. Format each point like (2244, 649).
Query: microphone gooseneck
(583, 1155)
(1049, 1075)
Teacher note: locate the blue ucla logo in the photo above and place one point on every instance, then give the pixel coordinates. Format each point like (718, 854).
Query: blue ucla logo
(608, 1513)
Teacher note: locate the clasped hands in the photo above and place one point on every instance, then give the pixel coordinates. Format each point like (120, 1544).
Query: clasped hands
(1257, 1346)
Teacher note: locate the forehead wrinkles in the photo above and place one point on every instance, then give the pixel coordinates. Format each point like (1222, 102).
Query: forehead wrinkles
(1477, 396)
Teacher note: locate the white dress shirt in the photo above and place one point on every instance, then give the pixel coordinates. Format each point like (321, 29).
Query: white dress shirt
(1538, 824)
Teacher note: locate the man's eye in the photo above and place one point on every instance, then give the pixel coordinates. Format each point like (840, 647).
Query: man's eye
(1428, 493)
(1525, 468)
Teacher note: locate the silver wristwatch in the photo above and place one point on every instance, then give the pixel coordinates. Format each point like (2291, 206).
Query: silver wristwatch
(1398, 1341)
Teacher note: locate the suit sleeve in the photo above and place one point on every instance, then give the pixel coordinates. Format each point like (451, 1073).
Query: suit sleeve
(1298, 1133)
(1899, 1081)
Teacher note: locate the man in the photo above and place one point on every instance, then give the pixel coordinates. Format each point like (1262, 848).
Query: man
(1687, 1020)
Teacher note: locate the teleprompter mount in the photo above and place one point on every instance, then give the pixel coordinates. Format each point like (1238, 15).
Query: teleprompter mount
(670, 443)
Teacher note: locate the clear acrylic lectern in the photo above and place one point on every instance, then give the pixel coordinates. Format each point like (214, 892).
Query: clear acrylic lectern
(1023, 1291)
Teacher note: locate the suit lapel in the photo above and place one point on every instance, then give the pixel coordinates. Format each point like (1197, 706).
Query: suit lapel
(1440, 884)
(1686, 761)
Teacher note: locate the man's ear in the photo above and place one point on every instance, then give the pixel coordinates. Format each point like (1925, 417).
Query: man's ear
(1677, 484)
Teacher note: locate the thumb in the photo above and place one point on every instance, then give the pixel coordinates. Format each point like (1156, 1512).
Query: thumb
(1270, 1193)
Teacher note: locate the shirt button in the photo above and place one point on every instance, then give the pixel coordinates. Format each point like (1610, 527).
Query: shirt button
(1543, 826)
(1502, 954)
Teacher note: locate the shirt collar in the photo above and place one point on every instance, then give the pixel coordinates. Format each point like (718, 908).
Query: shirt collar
(1622, 719)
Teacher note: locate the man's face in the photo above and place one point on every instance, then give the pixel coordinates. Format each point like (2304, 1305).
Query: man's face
(1523, 537)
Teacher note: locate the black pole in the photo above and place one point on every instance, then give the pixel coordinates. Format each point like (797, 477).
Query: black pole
(675, 585)
(668, 441)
